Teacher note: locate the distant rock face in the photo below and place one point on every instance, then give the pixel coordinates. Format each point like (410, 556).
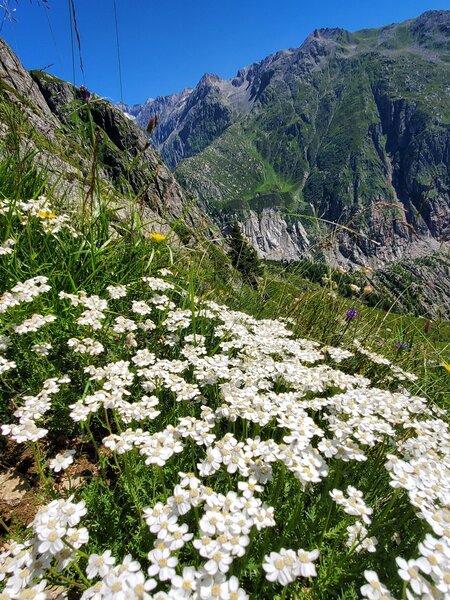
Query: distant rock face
(422, 285)
(273, 237)
(58, 127)
(350, 129)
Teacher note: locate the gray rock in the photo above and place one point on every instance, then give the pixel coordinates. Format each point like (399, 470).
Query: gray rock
(57, 124)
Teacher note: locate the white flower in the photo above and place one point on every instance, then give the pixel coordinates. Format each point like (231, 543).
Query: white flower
(140, 585)
(281, 566)
(6, 365)
(163, 564)
(85, 346)
(158, 284)
(5, 342)
(62, 461)
(232, 591)
(51, 539)
(25, 431)
(140, 307)
(374, 590)
(353, 505)
(33, 324)
(99, 565)
(117, 291)
(211, 588)
(74, 511)
(77, 537)
(306, 562)
(123, 325)
(410, 571)
(41, 349)
(7, 247)
(211, 463)
(185, 584)
(219, 561)
(174, 540)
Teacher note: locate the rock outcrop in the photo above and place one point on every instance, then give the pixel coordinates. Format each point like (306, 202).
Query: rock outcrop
(82, 140)
(274, 237)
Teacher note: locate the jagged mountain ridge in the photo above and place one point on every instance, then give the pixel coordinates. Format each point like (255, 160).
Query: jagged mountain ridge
(350, 127)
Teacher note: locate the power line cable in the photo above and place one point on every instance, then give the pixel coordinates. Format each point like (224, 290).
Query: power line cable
(77, 34)
(118, 51)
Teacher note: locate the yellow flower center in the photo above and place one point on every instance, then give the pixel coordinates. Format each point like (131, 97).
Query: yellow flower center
(45, 214)
(157, 237)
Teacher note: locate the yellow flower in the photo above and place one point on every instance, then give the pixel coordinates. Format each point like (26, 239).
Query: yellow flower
(446, 366)
(45, 214)
(157, 237)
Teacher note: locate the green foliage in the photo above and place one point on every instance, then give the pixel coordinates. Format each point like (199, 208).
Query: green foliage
(20, 177)
(243, 256)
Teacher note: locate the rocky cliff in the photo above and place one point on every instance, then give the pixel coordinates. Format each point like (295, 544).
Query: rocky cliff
(81, 141)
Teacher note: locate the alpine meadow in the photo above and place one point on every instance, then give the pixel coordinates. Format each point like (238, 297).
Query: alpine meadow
(224, 324)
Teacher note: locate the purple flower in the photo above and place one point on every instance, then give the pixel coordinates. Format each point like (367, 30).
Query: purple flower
(401, 345)
(352, 313)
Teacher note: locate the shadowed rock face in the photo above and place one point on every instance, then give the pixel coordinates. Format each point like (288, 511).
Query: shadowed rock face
(352, 128)
(421, 286)
(58, 127)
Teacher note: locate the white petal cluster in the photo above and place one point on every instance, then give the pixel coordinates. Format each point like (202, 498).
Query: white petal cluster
(286, 565)
(7, 247)
(116, 378)
(32, 324)
(117, 291)
(6, 365)
(41, 349)
(55, 540)
(41, 209)
(33, 409)
(24, 292)
(359, 539)
(353, 504)
(62, 461)
(86, 346)
(157, 284)
(95, 306)
(243, 400)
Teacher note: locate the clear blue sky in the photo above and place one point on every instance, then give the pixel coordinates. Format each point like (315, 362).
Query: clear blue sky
(166, 45)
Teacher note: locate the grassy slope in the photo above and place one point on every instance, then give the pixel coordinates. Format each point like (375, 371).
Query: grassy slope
(114, 492)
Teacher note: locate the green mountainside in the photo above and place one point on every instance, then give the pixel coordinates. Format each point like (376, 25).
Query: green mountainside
(352, 128)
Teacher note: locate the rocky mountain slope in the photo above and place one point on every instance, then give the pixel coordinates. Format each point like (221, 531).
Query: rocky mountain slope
(350, 128)
(85, 147)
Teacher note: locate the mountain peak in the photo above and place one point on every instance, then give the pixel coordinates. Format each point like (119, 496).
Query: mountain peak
(435, 14)
(329, 33)
(433, 18)
(432, 29)
(209, 79)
